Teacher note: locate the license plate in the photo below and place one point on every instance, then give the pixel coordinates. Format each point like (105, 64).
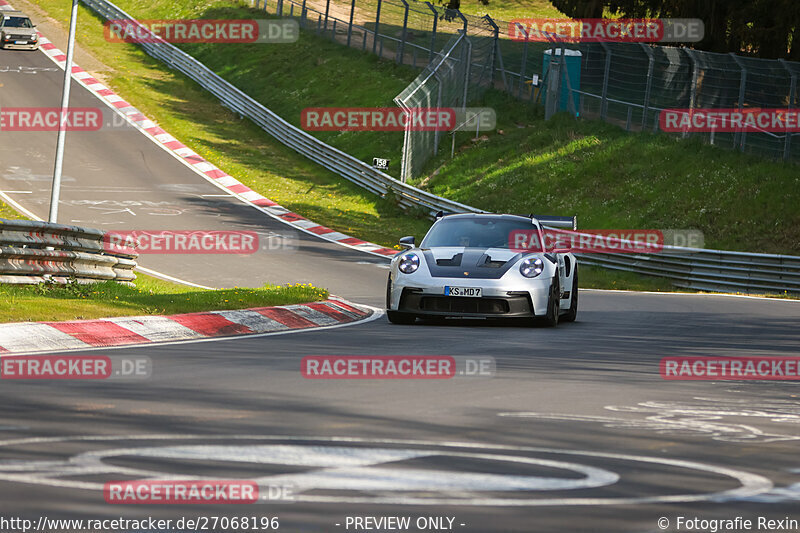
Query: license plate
(20, 42)
(474, 292)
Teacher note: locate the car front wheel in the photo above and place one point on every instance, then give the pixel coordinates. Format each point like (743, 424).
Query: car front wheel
(572, 313)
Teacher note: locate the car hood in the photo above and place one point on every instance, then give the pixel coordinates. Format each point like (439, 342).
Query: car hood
(470, 263)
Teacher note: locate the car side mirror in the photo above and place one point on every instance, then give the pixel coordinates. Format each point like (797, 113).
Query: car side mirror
(407, 242)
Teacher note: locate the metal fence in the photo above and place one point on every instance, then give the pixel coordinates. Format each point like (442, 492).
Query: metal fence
(34, 252)
(627, 84)
(443, 83)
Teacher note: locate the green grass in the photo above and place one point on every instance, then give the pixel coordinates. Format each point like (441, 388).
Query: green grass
(151, 296)
(507, 10)
(7, 211)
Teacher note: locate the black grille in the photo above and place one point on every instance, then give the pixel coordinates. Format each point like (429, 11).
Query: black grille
(456, 304)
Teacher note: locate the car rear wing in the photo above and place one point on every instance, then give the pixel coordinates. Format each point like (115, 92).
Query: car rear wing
(557, 222)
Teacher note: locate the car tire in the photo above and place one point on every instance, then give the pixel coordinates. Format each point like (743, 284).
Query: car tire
(551, 318)
(397, 317)
(572, 313)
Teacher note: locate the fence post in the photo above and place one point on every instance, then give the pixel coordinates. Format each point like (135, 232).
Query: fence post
(467, 68)
(279, 8)
(438, 106)
(303, 15)
(693, 89)
(739, 136)
(496, 55)
(553, 84)
(350, 24)
(604, 93)
(524, 60)
(433, 34)
(650, 66)
(404, 35)
(377, 26)
(327, 9)
(787, 140)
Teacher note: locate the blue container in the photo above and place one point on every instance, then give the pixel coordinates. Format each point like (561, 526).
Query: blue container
(573, 70)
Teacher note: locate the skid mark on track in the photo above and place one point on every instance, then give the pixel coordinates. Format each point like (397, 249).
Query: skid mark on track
(719, 419)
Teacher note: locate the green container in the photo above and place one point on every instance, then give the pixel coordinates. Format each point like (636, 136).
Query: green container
(573, 70)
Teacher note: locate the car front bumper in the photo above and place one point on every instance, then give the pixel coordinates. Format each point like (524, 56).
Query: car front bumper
(499, 298)
(12, 45)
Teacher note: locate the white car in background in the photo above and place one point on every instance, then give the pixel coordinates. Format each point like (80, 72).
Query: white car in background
(17, 31)
(469, 266)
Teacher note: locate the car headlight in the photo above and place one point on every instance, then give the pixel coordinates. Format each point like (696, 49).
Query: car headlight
(409, 263)
(531, 267)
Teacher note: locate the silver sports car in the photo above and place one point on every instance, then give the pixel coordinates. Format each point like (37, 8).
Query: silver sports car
(484, 266)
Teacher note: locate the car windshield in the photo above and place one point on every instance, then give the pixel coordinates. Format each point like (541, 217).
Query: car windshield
(17, 22)
(481, 232)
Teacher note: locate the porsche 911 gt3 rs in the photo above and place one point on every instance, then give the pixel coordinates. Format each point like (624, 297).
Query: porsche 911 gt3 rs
(476, 265)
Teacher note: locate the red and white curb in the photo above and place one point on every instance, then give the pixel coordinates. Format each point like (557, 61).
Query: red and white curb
(33, 337)
(195, 161)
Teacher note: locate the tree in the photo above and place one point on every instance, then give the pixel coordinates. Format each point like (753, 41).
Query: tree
(763, 28)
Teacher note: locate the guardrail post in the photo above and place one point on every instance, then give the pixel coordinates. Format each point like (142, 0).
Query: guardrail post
(739, 136)
(524, 60)
(650, 66)
(401, 49)
(433, 31)
(787, 140)
(350, 24)
(693, 89)
(377, 27)
(604, 92)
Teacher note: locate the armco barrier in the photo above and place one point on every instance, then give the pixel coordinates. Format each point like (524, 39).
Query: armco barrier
(33, 252)
(710, 270)
(714, 270)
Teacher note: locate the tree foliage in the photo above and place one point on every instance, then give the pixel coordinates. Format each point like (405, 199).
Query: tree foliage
(763, 28)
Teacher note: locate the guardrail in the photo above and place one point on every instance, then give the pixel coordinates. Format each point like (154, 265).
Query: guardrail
(711, 270)
(34, 252)
(715, 270)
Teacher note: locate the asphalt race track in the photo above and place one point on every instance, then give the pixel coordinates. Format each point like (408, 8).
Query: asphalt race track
(577, 431)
